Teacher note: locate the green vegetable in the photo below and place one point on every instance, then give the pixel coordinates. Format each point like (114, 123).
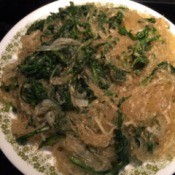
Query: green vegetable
(32, 92)
(121, 101)
(120, 114)
(98, 74)
(150, 146)
(144, 34)
(74, 11)
(121, 142)
(116, 20)
(101, 20)
(38, 25)
(71, 29)
(115, 170)
(144, 38)
(49, 141)
(23, 139)
(117, 74)
(82, 165)
(122, 148)
(70, 18)
(63, 97)
(151, 20)
(38, 65)
(139, 62)
(122, 31)
(162, 65)
(14, 109)
(82, 88)
(147, 139)
(137, 136)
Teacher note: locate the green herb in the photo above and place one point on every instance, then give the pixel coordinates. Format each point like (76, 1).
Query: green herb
(31, 121)
(32, 92)
(140, 63)
(151, 20)
(162, 65)
(146, 138)
(63, 97)
(24, 138)
(115, 170)
(14, 109)
(116, 20)
(81, 87)
(139, 60)
(38, 65)
(74, 11)
(137, 136)
(121, 101)
(120, 114)
(72, 25)
(51, 18)
(38, 25)
(150, 146)
(123, 31)
(117, 74)
(50, 141)
(150, 142)
(82, 165)
(98, 73)
(144, 34)
(101, 20)
(121, 142)
(122, 148)
(112, 94)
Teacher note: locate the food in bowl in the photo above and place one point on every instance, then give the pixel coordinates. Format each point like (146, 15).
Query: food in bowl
(95, 84)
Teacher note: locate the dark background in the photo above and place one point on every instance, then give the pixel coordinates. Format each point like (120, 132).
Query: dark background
(11, 11)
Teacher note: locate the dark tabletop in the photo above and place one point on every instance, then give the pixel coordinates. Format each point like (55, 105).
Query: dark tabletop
(11, 11)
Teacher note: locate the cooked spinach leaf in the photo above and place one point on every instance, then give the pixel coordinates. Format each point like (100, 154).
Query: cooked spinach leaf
(82, 165)
(121, 142)
(51, 140)
(122, 148)
(24, 138)
(83, 89)
(151, 20)
(38, 25)
(74, 11)
(144, 40)
(63, 97)
(116, 21)
(39, 65)
(162, 65)
(33, 92)
(140, 62)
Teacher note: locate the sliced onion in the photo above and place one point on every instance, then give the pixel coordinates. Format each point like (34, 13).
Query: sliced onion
(59, 44)
(50, 117)
(60, 80)
(43, 107)
(79, 102)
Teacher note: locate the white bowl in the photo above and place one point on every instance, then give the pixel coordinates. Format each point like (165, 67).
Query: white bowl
(26, 158)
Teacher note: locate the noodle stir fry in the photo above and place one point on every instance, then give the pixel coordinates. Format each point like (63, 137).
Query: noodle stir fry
(96, 85)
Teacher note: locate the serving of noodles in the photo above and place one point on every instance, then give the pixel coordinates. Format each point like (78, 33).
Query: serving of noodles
(96, 86)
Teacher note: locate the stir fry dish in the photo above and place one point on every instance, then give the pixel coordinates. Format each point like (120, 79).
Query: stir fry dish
(96, 86)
